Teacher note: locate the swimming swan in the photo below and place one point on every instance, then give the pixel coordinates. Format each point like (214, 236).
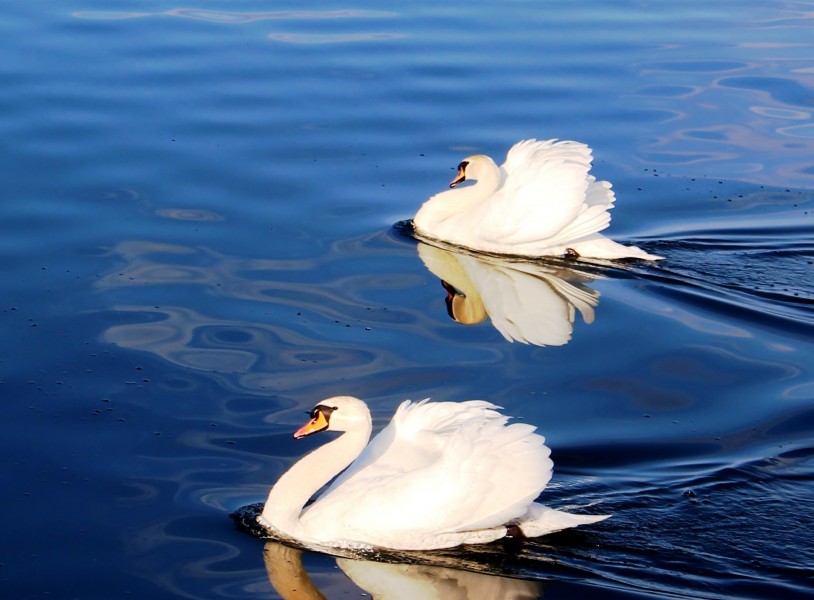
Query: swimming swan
(439, 475)
(541, 202)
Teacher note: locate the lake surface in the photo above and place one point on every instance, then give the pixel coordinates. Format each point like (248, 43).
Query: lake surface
(198, 243)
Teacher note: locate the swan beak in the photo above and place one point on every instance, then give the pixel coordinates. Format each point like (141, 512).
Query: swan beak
(458, 178)
(318, 423)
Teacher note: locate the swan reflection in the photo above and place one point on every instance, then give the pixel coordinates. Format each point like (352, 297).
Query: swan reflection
(528, 302)
(393, 581)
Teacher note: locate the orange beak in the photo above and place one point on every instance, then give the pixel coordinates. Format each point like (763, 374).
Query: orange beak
(461, 176)
(318, 423)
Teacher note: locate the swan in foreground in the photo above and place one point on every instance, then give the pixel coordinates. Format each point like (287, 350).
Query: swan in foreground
(439, 475)
(541, 202)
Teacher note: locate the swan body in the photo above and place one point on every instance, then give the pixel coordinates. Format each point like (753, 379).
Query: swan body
(439, 475)
(542, 201)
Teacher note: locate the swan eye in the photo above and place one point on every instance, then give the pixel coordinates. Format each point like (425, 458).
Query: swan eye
(462, 167)
(321, 408)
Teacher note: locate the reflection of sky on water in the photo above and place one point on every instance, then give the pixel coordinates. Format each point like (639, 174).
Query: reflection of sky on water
(261, 357)
(249, 354)
(282, 325)
(235, 17)
(744, 114)
(333, 38)
(238, 18)
(718, 113)
(189, 214)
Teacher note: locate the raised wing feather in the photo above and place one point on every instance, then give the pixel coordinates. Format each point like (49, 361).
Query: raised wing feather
(442, 470)
(544, 195)
(413, 439)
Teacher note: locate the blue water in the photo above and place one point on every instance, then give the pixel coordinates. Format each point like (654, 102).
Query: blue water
(197, 244)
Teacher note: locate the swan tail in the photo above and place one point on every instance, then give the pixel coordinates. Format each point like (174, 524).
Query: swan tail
(542, 520)
(591, 220)
(599, 246)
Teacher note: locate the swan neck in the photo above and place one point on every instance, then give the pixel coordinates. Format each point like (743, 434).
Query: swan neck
(297, 485)
(485, 185)
(490, 178)
(452, 203)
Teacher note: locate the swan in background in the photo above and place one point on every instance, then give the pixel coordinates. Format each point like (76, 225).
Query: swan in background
(541, 202)
(391, 581)
(531, 303)
(439, 475)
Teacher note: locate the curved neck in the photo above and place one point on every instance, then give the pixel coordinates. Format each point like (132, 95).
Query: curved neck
(453, 202)
(289, 495)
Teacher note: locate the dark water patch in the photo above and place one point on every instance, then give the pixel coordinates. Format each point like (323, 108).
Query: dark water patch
(708, 531)
(755, 273)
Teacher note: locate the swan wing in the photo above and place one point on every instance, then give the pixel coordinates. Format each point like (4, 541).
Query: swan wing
(444, 467)
(413, 439)
(490, 472)
(544, 195)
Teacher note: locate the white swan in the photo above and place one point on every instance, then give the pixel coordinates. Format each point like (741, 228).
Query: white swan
(541, 202)
(439, 475)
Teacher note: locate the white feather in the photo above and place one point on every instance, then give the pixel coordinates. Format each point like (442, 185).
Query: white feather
(439, 475)
(542, 201)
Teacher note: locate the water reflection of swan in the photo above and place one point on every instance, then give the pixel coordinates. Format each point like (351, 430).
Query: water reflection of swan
(532, 303)
(391, 581)
(440, 475)
(541, 202)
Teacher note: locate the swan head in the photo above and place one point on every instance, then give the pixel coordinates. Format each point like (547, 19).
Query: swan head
(340, 413)
(473, 167)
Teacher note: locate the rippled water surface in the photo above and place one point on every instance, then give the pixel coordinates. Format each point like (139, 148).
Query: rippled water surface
(197, 241)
